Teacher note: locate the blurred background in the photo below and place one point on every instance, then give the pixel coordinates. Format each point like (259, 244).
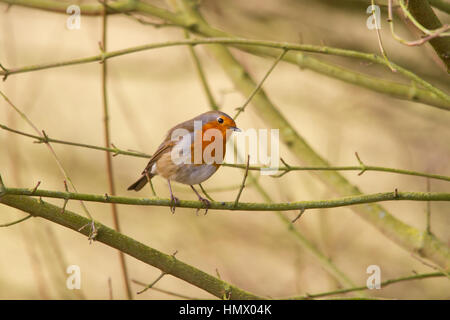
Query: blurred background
(151, 91)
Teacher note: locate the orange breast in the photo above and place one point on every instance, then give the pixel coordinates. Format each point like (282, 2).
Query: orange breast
(208, 143)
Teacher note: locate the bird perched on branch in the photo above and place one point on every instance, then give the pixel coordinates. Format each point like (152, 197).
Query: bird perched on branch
(191, 153)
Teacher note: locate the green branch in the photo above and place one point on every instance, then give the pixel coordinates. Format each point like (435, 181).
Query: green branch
(241, 206)
(166, 263)
(201, 74)
(345, 168)
(431, 96)
(361, 288)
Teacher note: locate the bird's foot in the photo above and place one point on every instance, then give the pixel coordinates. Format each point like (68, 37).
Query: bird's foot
(206, 203)
(173, 203)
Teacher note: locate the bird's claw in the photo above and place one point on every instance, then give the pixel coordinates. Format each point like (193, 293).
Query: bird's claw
(173, 203)
(206, 203)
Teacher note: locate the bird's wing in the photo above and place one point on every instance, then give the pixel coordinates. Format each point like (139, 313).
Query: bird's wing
(165, 146)
(168, 143)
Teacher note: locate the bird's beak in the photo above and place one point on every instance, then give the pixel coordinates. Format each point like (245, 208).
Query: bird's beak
(235, 129)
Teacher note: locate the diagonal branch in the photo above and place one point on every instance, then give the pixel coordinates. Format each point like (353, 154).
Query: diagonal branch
(44, 138)
(133, 248)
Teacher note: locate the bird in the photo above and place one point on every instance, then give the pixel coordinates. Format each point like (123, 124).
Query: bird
(190, 153)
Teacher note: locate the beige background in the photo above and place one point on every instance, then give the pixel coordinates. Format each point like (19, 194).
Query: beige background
(153, 90)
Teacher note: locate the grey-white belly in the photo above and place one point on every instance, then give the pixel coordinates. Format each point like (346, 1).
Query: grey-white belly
(191, 174)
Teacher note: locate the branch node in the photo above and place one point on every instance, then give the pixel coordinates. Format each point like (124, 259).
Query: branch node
(66, 200)
(6, 72)
(227, 293)
(285, 163)
(363, 166)
(286, 170)
(116, 150)
(45, 138)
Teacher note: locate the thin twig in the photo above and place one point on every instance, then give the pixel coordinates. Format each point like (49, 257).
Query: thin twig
(205, 193)
(428, 228)
(152, 284)
(286, 168)
(431, 265)
(430, 34)
(361, 288)
(255, 91)
(243, 183)
(380, 43)
(438, 32)
(198, 66)
(15, 222)
(109, 165)
(178, 295)
(150, 183)
(36, 187)
(302, 210)
(44, 137)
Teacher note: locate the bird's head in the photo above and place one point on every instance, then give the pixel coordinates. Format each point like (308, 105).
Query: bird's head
(218, 120)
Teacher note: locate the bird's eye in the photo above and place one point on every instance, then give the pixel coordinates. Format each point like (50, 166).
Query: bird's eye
(219, 120)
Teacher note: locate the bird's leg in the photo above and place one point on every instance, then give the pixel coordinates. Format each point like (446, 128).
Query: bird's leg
(173, 200)
(200, 198)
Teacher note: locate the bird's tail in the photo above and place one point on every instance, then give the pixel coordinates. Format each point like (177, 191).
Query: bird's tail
(138, 185)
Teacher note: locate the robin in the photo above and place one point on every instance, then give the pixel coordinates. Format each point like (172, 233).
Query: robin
(191, 153)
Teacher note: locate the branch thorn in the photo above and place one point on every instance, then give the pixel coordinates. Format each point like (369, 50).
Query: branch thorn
(299, 215)
(35, 188)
